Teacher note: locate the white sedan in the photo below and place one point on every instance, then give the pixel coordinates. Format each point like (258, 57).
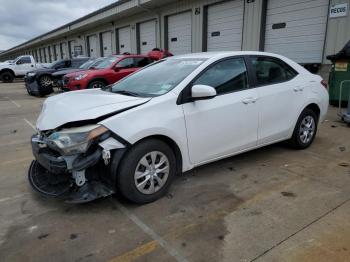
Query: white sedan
(174, 115)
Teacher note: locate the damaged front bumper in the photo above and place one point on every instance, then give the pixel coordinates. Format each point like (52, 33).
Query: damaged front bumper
(76, 178)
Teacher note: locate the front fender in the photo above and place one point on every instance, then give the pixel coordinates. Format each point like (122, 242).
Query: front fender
(159, 117)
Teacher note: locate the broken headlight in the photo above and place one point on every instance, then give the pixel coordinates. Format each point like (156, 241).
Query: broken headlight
(76, 140)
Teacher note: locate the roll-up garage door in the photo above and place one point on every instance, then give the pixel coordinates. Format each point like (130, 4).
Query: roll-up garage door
(47, 55)
(296, 29)
(71, 45)
(147, 36)
(57, 52)
(36, 56)
(42, 55)
(179, 33)
(224, 26)
(124, 39)
(63, 50)
(106, 42)
(92, 45)
(50, 54)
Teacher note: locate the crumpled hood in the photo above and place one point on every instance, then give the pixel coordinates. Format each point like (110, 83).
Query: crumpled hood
(82, 105)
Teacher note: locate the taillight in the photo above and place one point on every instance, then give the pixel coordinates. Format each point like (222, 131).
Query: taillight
(324, 83)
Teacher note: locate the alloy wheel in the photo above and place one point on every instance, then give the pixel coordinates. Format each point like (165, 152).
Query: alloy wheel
(45, 81)
(98, 85)
(152, 172)
(307, 129)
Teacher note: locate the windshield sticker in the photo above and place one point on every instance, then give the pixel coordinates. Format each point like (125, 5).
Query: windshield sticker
(191, 63)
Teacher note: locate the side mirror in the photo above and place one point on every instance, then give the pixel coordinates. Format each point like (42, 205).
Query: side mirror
(19, 62)
(201, 92)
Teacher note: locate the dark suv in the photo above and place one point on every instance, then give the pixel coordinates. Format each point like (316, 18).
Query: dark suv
(40, 82)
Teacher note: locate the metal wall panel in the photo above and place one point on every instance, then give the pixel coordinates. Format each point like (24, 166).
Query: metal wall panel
(296, 29)
(225, 26)
(180, 33)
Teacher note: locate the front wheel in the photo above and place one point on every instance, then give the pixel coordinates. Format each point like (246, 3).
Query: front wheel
(97, 84)
(305, 130)
(146, 172)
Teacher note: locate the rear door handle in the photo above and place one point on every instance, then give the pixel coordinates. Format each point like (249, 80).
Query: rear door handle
(249, 100)
(298, 89)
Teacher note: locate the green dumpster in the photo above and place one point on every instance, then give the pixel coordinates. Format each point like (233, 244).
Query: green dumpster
(340, 71)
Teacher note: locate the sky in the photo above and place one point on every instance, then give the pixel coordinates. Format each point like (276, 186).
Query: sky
(22, 20)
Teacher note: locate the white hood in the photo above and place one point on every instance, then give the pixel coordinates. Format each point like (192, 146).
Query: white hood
(82, 105)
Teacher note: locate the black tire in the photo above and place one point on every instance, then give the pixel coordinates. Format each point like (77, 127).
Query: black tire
(45, 81)
(96, 84)
(296, 140)
(7, 77)
(126, 184)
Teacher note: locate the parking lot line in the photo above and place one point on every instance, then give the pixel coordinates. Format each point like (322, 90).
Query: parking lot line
(13, 102)
(149, 231)
(30, 124)
(137, 252)
(301, 229)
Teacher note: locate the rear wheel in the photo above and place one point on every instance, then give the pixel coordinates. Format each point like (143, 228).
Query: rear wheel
(97, 84)
(146, 172)
(7, 77)
(305, 130)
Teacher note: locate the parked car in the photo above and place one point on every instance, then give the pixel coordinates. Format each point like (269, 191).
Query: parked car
(17, 68)
(109, 71)
(40, 82)
(172, 116)
(57, 77)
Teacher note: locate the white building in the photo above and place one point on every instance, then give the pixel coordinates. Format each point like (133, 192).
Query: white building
(304, 30)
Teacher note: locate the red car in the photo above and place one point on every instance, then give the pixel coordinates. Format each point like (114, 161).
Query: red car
(109, 71)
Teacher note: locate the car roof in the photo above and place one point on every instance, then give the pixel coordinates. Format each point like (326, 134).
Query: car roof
(208, 55)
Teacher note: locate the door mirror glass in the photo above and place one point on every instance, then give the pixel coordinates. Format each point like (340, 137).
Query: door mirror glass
(203, 92)
(19, 62)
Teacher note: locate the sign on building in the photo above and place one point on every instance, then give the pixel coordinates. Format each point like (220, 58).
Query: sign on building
(339, 10)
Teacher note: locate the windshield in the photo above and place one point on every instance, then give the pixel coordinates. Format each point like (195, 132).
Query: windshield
(107, 62)
(87, 64)
(159, 78)
(55, 64)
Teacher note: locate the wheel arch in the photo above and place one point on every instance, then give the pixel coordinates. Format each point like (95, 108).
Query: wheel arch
(8, 70)
(172, 144)
(314, 107)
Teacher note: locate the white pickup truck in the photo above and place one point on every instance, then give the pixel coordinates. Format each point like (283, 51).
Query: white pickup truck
(17, 68)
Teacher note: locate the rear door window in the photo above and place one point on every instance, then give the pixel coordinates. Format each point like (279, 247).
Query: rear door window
(269, 71)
